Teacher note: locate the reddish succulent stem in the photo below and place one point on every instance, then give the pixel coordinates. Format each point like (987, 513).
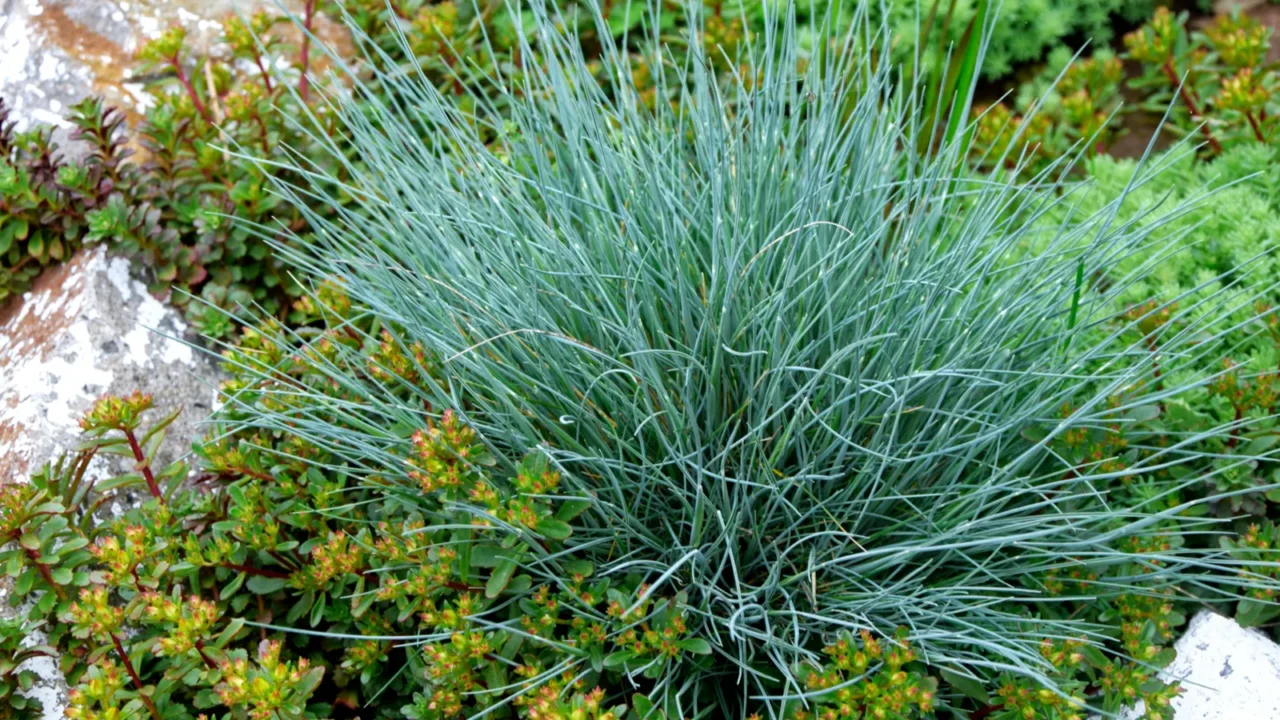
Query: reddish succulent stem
(262, 125)
(266, 76)
(279, 558)
(207, 660)
(1155, 367)
(191, 91)
(137, 681)
(249, 472)
(307, 14)
(1191, 104)
(1155, 359)
(48, 576)
(143, 465)
(985, 711)
(1235, 429)
(1257, 130)
(461, 587)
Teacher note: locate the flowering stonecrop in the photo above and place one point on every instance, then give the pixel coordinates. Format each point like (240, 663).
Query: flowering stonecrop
(1239, 40)
(1257, 548)
(1014, 140)
(446, 461)
(867, 678)
(268, 688)
(103, 695)
(1229, 95)
(116, 413)
(16, 675)
(263, 533)
(1083, 108)
(1155, 41)
(1219, 80)
(1085, 682)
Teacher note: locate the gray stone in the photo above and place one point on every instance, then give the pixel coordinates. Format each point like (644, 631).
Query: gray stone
(87, 328)
(54, 53)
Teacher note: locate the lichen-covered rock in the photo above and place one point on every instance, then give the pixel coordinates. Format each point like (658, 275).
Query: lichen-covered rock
(87, 328)
(1227, 672)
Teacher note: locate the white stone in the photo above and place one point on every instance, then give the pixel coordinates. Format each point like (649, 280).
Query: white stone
(1227, 672)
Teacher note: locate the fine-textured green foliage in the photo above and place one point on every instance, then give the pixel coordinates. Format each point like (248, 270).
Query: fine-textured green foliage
(1238, 230)
(1025, 29)
(785, 356)
(1234, 235)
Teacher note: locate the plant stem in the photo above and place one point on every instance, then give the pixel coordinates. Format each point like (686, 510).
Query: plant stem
(266, 76)
(983, 712)
(307, 14)
(191, 91)
(48, 576)
(1235, 429)
(207, 660)
(137, 681)
(462, 587)
(143, 465)
(1257, 130)
(248, 472)
(1155, 358)
(1191, 104)
(262, 124)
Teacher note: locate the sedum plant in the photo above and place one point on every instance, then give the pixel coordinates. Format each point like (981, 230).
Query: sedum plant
(1216, 85)
(45, 197)
(1072, 106)
(181, 211)
(173, 215)
(1244, 361)
(790, 362)
(1218, 80)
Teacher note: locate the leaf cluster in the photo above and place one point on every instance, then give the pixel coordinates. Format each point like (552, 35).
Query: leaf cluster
(45, 197)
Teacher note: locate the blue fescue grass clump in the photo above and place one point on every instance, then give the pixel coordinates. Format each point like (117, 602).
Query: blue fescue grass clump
(787, 357)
